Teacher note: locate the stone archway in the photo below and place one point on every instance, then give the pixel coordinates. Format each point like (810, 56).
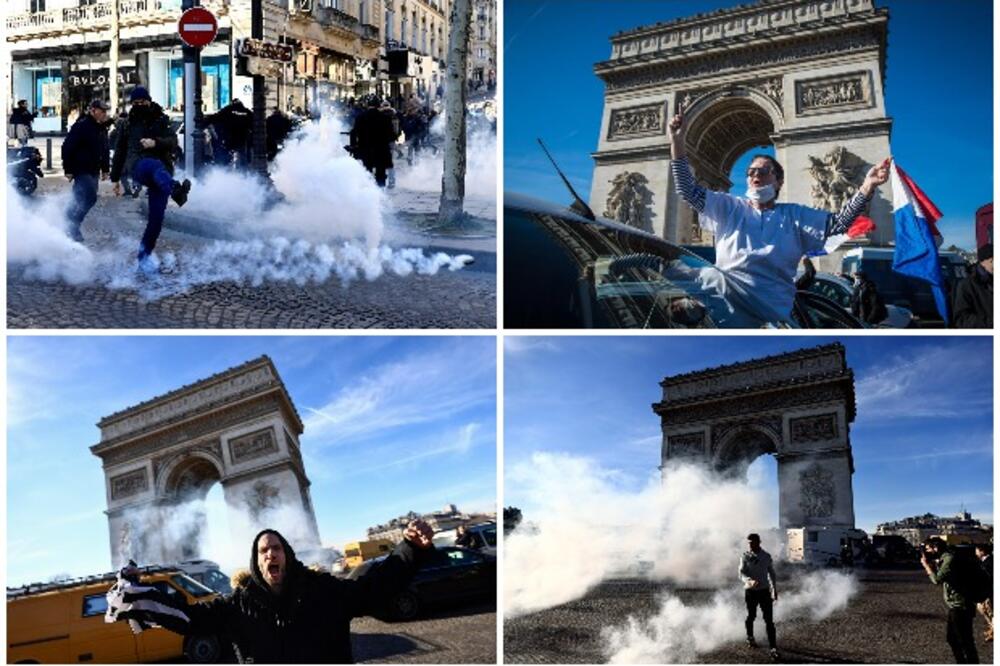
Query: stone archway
(797, 407)
(238, 428)
(804, 75)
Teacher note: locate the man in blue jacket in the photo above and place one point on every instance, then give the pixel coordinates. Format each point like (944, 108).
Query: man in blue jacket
(85, 158)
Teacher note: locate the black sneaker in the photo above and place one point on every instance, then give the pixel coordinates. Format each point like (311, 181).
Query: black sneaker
(751, 643)
(180, 193)
(75, 234)
(774, 654)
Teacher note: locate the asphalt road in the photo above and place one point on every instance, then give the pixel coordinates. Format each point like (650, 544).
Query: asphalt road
(464, 298)
(467, 635)
(897, 617)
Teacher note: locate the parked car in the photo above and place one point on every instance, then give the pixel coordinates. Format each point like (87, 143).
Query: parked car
(208, 574)
(64, 623)
(897, 289)
(454, 576)
(839, 290)
(484, 537)
(562, 270)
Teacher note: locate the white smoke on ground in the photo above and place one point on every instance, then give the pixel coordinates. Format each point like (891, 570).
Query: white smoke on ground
(678, 633)
(586, 528)
(329, 224)
(585, 524)
(424, 175)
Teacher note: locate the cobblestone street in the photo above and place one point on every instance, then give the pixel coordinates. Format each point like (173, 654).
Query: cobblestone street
(465, 298)
(465, 636)
(898, 617)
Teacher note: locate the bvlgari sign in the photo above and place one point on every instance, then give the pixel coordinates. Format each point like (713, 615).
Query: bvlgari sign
(98, 78)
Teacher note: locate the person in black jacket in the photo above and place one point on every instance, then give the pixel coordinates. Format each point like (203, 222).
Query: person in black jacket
(866, 303)
(233, 125)
(145, 148)
(85, 158)
(371, 138)
(20, 122)
(973, 298)
(286, 613)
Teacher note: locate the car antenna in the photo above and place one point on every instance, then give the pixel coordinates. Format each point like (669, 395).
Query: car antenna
(578, 206)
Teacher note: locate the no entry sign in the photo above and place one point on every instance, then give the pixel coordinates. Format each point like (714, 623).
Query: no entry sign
(197, 27)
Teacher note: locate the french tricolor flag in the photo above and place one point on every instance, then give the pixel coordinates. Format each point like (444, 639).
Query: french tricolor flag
(917, 236)
(862, 226)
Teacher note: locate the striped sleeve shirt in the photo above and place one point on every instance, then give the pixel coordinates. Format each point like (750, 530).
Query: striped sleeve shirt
(694, 195)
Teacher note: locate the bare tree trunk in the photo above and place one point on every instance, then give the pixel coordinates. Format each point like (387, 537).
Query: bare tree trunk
(453, 178)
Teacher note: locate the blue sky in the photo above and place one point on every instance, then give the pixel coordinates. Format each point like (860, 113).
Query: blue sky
(391, 425)
(939, 91)
(922, 440)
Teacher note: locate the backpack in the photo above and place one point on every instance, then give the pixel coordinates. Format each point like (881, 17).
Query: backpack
(968, 577)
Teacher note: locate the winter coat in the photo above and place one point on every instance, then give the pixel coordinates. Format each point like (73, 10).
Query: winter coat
(310, 621)
(973, 300)
(22, 117)
(140, 124)
(866, 303)
(85, 149)
(371, 138)
(234, 125)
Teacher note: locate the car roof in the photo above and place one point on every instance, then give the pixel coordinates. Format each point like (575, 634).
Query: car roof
(532, 204)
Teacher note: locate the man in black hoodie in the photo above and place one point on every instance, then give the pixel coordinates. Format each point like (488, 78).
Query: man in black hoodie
(145, 149)
(286, 613)
(85, 158)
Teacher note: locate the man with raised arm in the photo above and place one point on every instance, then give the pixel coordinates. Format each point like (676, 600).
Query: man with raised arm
(758, 242)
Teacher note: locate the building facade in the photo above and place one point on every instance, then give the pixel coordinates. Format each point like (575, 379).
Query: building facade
(416, 42)
(482, 63)
(961, 528)
(60, 53)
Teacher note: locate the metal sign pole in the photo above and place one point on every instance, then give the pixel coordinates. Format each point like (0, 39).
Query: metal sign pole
(192, 104)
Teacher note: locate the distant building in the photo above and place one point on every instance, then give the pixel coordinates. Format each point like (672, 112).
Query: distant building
(447, 519)
(917, 529)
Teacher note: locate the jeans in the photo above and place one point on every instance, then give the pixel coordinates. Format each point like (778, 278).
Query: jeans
(84, 198)
(960, 638)
(160, 184)
(763, 599)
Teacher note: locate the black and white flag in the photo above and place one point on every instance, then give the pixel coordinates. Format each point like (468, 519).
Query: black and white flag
(143, 606)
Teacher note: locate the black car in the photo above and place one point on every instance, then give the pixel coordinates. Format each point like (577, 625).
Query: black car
(562, 270)
(452, 577)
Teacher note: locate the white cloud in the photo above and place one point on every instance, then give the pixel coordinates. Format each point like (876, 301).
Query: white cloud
(420, 389)
(521, 344)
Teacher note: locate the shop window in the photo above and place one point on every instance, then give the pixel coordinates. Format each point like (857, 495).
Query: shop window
(215, 92)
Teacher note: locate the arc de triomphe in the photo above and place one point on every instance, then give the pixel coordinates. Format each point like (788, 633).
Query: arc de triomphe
(804, 75)
(238, 428)
(797, 406)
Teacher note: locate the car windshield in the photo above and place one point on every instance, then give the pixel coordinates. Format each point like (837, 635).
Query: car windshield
(216, 580)
(191, 586)
(628, 279)
(490, 536)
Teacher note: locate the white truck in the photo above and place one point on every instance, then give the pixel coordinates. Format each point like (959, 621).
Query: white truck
(821, 546)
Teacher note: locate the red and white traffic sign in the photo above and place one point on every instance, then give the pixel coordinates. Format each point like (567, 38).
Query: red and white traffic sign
(197, 27)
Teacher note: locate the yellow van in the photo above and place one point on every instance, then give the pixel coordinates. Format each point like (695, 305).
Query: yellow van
(358, 551)
(64, 623)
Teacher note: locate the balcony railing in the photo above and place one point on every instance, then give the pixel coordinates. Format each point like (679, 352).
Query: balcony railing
(335, 18)
(98, 16)
(369, 32)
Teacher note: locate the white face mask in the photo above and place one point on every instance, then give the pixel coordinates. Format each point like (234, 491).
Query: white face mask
(761, 194)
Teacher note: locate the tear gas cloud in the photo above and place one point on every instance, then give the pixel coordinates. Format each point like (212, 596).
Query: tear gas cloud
(584, 526)
(329, 224)
(480, 168)
(211, 530)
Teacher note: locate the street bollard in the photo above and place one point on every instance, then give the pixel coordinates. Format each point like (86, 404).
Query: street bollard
(48, 154)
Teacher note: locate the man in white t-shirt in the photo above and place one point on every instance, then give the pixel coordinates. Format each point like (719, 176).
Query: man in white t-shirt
(759, 242)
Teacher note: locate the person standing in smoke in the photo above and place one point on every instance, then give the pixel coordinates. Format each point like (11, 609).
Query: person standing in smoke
(760, 589)
(277, 127)
(145, 149)
(233, 125)
(86, 159)
(283, 613)
(964, 585)
(371, 140)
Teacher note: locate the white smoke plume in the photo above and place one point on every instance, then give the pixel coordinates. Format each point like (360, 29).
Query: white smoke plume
(586, 529)
(584, 525)
(329, 223)
(679, 633)
(424, 175)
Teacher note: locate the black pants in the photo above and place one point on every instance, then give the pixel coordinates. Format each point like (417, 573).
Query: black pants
(761, 598)
(960, 638)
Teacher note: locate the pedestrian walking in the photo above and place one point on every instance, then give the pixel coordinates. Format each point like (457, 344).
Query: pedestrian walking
(233, 125)
(759, 590)
(86, 159)
(371, 140)
(759, 243)
(282, 613)
(973, 298)
(277, 128)
(984, 551)
(965, 584)
(19, 125)
(145, 149)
